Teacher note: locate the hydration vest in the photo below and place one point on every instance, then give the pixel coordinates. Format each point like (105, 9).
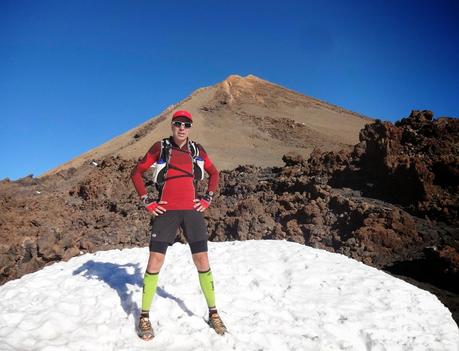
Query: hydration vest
(161, 166)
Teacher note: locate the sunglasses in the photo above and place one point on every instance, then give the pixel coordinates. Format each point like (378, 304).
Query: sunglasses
(178, 124)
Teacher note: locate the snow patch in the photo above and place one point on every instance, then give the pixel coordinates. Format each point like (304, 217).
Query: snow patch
(272, 295)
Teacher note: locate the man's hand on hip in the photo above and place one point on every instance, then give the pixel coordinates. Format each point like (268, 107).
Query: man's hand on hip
(201, 205)
(152, 206)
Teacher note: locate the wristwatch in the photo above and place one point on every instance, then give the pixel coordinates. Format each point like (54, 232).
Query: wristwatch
(146, 199)
(208, 196)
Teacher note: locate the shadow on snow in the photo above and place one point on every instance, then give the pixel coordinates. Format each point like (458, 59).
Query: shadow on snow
(119, 277)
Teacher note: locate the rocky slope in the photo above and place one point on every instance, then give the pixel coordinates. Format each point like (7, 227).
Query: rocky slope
(239, 119)
(390, 202)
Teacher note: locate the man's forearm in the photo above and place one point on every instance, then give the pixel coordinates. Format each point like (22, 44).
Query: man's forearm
(214, 178)
(136, 177)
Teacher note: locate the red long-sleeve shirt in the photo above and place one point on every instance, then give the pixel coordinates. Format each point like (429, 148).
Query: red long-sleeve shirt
(178, 192)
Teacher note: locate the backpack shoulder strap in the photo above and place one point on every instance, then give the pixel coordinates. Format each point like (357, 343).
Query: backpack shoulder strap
(194, 149)
(165, 150)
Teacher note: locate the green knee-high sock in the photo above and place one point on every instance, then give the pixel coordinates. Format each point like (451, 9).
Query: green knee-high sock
(150, 281)
(207, 285)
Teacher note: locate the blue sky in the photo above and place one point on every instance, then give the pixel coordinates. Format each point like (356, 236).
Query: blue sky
(75, 74)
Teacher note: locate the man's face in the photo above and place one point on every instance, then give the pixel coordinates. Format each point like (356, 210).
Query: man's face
(180, 132)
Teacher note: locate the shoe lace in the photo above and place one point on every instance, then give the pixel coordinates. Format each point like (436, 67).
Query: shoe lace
(145, 323)
(216, 321)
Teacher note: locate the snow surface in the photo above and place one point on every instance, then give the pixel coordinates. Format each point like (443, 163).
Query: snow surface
(272, 295)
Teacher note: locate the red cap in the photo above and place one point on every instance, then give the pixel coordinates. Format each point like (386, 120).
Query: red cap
(182, 113)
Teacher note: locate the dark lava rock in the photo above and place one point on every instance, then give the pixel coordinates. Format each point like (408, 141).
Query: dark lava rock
(390, 202)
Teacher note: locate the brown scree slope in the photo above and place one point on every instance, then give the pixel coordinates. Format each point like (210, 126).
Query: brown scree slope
(237, 120)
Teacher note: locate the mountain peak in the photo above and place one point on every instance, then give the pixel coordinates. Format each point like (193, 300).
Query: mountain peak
(235, 84)
(234, 78)
(261, 116)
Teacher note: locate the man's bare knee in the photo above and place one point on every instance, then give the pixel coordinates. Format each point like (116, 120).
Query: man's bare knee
(201, 261)
(155, 262)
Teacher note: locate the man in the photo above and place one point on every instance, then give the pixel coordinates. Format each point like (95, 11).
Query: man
(178, 162)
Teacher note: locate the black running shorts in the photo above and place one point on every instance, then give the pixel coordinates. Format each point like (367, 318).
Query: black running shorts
(164, 230)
